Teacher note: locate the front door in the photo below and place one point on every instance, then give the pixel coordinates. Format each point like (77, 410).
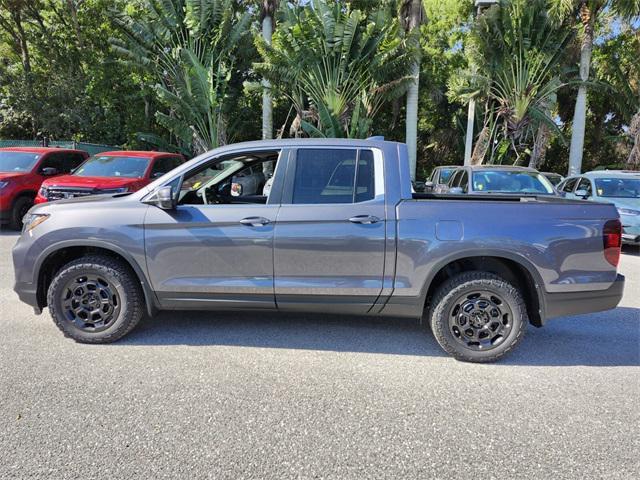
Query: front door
(330, 232)
(210, 252)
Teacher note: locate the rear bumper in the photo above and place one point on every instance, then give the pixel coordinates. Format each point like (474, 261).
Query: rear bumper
(576, 303)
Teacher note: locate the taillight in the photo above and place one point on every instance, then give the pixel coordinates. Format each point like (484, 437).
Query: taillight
(612, 237)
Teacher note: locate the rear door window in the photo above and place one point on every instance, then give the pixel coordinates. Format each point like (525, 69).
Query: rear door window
(585, 184)
(333, 176)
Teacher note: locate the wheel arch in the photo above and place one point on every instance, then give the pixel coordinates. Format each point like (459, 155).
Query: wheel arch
(512, 267)
(56, 256)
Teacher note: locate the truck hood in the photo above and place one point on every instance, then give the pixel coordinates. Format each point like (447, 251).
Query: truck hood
(8, 175)
(92, 182)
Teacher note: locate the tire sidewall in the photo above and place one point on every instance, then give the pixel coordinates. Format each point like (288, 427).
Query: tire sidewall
(508, 294)
(16, 215)
(55, 302)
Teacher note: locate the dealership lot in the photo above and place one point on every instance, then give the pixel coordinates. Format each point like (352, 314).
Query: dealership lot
(203, 395)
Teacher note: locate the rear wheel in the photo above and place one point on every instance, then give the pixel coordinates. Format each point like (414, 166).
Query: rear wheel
(478, 317)
(20, 208)
(95, 299)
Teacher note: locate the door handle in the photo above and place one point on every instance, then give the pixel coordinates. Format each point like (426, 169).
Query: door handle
(364, 219)
(255, 221)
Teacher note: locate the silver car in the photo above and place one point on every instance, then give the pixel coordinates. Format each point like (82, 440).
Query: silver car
(622, 188)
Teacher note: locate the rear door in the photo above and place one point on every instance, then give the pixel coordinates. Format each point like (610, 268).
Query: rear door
(329, 244)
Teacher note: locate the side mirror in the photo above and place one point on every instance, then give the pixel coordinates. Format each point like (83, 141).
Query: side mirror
(428, 186)
(456, 191)
(162, 198)
(581, 193)
(49, 171)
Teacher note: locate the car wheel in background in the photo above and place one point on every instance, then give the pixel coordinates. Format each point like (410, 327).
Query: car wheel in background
(20, 208)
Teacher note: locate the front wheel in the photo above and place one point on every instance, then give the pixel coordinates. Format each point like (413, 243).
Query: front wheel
(20, 208)
(478, 317)
(95, 299)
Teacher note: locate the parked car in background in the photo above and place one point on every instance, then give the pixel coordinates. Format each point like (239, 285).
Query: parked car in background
(339, 233)
(554, 178)
(483, 179)
(620, 187)
(22, 171)
(110, 172)
(438, 179)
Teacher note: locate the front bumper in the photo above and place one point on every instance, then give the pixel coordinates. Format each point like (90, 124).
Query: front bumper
(23, 264)
(590, 301)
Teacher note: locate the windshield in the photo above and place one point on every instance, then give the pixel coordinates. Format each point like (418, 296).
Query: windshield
(107, 166)
(511, 181)
(16, 162)
(618, 187)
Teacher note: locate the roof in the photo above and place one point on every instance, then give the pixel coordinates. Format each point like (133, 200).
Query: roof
(40, 150)
(136, 153)
(612, 173)
(501, 167)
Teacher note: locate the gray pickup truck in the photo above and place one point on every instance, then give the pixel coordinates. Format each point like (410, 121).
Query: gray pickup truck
(340, 232)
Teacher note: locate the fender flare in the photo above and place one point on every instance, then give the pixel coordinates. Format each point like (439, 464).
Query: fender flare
(490, 252)
(151, 300)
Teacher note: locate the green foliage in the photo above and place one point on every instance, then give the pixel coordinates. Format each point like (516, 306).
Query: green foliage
(516, 51)
(337, 66)
(188, 47)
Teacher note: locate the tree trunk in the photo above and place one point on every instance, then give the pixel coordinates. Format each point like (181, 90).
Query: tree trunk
(580, 114)
(412, 16)
(412, 119)
(267, 101)
(633, 161)
(540, 147)
(481, 147)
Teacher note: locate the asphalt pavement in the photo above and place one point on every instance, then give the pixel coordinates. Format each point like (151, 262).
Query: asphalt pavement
(261, 395)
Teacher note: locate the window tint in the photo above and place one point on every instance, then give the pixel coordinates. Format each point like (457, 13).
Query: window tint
(329, 176)
(568, 186)
(63, 162)
(455, 178)
(464, 181)
(365, 179)
(584, 184)
(164, 165)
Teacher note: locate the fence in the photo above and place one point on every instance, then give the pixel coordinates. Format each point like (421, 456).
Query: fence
(90, 148)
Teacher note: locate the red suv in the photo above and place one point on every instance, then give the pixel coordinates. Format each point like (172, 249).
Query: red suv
(110, 172)
(22, 170)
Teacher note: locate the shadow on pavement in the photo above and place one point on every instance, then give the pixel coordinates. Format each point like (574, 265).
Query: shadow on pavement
(603, 339)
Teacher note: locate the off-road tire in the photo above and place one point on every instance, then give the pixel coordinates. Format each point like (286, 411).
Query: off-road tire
(20, 207)
(122, 279)
(445, 298)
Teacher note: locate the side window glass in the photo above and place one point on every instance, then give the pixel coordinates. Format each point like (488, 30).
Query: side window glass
(464, 182)
(568, 186)
(455, 179)
(72, 162)
(324, 176)
(365, 177)
(53, 160)
(585, 185)
(161, 166)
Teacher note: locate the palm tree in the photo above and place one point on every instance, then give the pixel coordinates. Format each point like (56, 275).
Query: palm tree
(516, 50)
(267, 22)
(412, 15)
(188, 48)
(336, 65)
(587, 11)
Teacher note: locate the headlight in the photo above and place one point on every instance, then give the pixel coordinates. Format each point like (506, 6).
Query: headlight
(32, 220)
(3, 184)
(628, 211)
(43, 192)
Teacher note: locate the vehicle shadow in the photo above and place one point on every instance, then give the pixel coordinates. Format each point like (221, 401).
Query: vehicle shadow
(603, 339)
(631, 250)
